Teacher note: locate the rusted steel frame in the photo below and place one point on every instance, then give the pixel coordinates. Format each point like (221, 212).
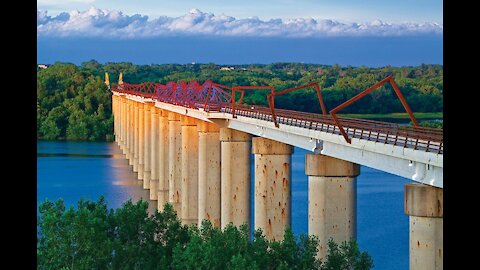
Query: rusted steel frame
(317, 88)
(142, 89)
(242, 89)
(233, 102)
(403, 101)
(219, 88)
(193, 93)
(271, 99)
(222, 86)
(362, 94)
(334, 111)
(169, 91)
(359, 127)
(160, 88)
(206, 100)
(145, 89)
(179, 91)
(381, 130)
(139, 88)
(189, 94)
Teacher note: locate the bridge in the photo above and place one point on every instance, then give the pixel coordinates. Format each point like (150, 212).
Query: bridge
(191, 144)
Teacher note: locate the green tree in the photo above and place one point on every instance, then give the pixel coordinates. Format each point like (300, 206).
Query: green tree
(345, 257)
(92, 237)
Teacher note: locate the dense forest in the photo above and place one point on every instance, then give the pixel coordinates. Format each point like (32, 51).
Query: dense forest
(74, 104)
(91, 236)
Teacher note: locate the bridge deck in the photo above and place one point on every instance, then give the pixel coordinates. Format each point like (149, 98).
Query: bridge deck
(412, 152)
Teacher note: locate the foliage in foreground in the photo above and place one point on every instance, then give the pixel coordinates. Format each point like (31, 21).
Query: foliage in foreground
(93, 237)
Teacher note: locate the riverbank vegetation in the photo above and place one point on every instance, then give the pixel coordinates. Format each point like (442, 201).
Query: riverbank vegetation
(73, 103)
(91, 236)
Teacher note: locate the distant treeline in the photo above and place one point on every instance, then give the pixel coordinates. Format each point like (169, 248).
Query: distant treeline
(74, 104)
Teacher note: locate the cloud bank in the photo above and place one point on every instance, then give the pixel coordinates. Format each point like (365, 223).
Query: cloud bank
(96, 22)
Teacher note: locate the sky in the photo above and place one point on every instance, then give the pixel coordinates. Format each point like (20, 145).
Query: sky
(346, 32)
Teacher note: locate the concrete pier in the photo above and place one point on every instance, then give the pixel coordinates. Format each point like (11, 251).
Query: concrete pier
(154, 139)
(272, 186)
(125, 126)
(135, 137)
(209, 164)
(115, 117)
(235, 175)
(189, 170)
(146, 145)
(122, 123)
(424, 206)
(164, 158)
(141, 142)
(175, 161)
(130, 115)
(332, 199)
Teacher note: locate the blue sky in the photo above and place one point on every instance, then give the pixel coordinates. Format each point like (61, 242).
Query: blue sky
(347, 32)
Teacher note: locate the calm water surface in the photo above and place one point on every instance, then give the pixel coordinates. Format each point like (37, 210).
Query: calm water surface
(71, 170)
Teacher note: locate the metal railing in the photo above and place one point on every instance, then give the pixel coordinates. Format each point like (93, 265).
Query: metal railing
(213, 97)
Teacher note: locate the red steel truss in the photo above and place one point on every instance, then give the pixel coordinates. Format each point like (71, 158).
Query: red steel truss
(214, 97)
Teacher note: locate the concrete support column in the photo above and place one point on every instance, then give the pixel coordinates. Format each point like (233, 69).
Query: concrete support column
(135, 136)
(141, 141)
(424, 205)
(130, 133)
(235, 175)
(209, 183)
(175, 161)
(115, 118)
(120, 121)
(130, 124)
(189, 170)
(124, 122)
(272, 186)
(146, 145)
(164, 159)
(126, 149)
(154, 140)
(332, 199)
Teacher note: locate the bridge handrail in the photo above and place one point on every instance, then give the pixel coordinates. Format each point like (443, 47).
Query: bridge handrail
(212, 97)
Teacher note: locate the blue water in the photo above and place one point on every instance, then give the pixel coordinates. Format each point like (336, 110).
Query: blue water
(71, 170)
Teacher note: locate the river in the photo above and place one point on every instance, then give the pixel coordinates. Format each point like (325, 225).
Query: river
(71, 170)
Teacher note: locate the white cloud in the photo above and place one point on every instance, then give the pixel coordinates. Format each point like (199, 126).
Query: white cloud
(63, 2)
(109, 23)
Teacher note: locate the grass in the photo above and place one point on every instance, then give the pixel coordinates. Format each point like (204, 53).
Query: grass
(419, 115)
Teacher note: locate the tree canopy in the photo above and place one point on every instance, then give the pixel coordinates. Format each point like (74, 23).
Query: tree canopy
(91, 236)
